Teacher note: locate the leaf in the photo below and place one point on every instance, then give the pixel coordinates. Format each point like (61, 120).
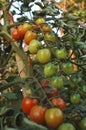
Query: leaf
(9, 95)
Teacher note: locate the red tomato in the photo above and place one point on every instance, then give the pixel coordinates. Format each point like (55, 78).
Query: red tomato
(44, 83)
(37, 114)
(15, 34)
(53, 92)
(36, 100)
(27, 104)
(20, 31)
(59, 102)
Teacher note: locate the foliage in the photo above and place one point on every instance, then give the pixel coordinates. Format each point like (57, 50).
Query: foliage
(60, 28)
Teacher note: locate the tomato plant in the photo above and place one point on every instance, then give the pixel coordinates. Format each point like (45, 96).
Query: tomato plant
(29, 36)
(34, 45)
(59, 102)
(53, 117)
(37, 114)
(66, 126)
(53, 92)
(57, 81)
(44, 55)
(27, 104)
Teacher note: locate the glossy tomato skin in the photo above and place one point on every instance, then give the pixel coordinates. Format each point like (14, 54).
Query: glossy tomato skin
(37, 114)
(29, 36)
(49, 69)
(15, 34)
(27, 104)
(59, 102)
(66, 126)
(53, 117)
(43, 55)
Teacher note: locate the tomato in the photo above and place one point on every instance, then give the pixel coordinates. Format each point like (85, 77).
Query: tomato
(66, 126)
(46, 28)
(15, 34)
(50, 37)
(59, 102)
(67, 68)
(44, 55)
(37, 114)
(53, 117)
(57, 82)
(36, 100)
(35, 27)
(82, 123)
(34, 45)
(40, 21)
(22, 29)
(75, 98)
(53, 92)
(61, 53)
(44, 83)
(27, 104)
(49, 69)
(29, 36)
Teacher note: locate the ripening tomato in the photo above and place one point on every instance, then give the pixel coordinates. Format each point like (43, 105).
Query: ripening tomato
(36, 100)
(82, 123)
(34, 45)
(22, 29)
(49, 69)
(59, 102)
(57, 81)
(40, 21)
(29, 36)
(44, 55)
(15, 34)
(37, 114)
(35, 27)
(66, 126)
(46, 28)
(27, 104)
(53, 117)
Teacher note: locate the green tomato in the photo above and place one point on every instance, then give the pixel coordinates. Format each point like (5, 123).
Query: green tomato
(50, 37)
(61, 53)
(57, 82)
(43, 55)
(75, 98)
(34, 46)
(49, 69)
(66, 126)
(67, 68)
(82, 124)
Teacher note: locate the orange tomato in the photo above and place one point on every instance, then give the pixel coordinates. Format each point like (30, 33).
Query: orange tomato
(29, 36)
(37, 114)
(53, 117)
